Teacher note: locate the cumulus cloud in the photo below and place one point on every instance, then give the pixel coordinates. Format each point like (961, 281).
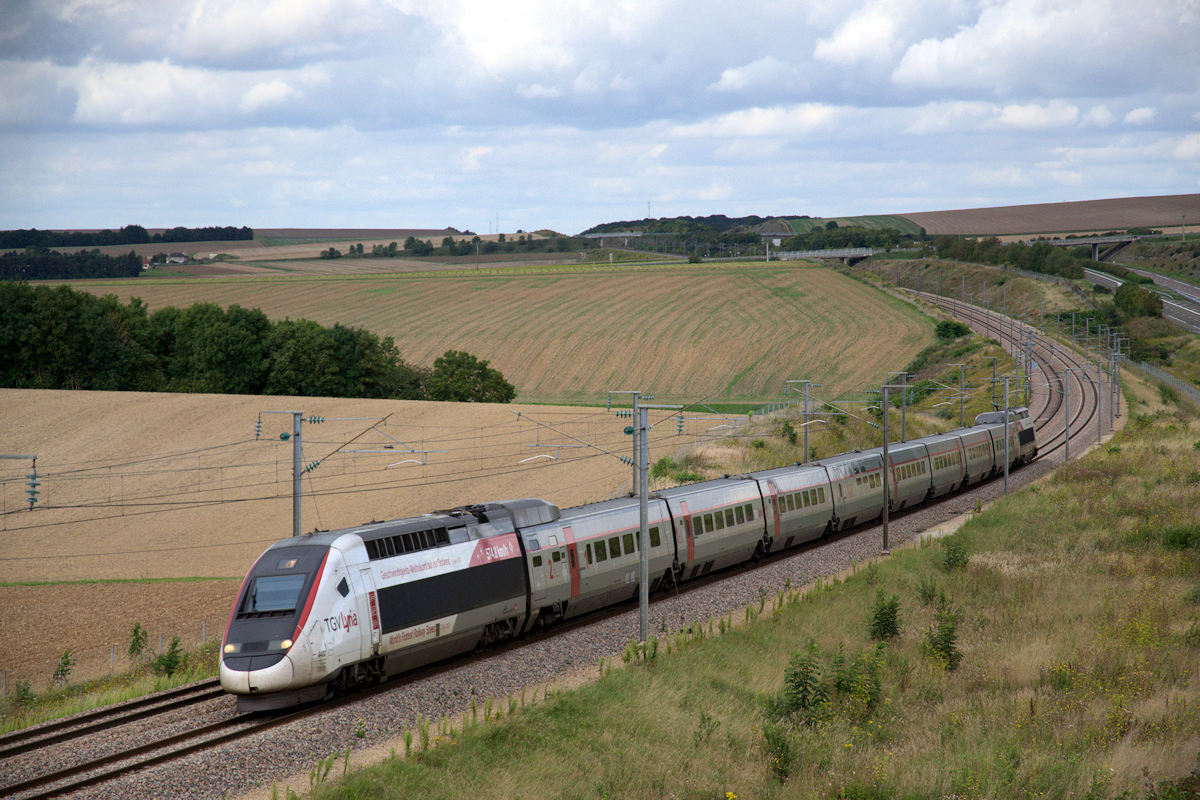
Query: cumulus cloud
(867, 35)
(1055, 114)
(267, 94)
(762, 122)
(761, 73)
(1099, 116)
(1140, 116)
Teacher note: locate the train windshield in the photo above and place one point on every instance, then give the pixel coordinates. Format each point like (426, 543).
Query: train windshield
(274, 593)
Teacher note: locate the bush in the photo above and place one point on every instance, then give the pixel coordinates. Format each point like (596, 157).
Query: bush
(951, 329)
(885, 617)
(171, 661)
(954, 553)
(788, 432)
(941, 641)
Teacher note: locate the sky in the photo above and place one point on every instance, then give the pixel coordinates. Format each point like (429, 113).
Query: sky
(506, 115)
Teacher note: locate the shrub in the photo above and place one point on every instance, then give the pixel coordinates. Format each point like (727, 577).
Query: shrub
(954, 553)
(171, 661)
(65, 665)
(941, 641)
(885, 617)
(757, 444)
(663, 467)
(137, 641)
(788, 432)
(1180, 537)
(951, 329)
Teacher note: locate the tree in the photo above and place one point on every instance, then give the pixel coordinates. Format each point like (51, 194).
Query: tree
(463, 378)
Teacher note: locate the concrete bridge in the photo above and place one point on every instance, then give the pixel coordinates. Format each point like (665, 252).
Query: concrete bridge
(847, 255)
(1113, 244)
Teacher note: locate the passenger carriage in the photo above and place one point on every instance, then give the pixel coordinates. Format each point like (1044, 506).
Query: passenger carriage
(798, 504)
(589, 556)
(717, 523)
(947, 462)
(856, 485)
(909, 478)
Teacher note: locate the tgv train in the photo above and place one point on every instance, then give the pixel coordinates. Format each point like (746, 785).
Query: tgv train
(331, 610)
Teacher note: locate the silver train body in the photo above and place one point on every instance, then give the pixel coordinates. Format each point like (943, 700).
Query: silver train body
(336, 609)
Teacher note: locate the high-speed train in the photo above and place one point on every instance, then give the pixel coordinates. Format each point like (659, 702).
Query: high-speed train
(330, 610)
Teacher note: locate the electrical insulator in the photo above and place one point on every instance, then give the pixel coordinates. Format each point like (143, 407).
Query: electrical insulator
(33, 490)
(629, 430)
(284, 436)
(679, 423)
(315, 420)
(258, 427)
(313, 466)
(608, 403)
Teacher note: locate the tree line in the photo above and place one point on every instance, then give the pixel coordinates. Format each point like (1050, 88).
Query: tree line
(38, 263)
(130, 234)
(833, 237)
(58, 338)
(1036, 257)
(414, 247)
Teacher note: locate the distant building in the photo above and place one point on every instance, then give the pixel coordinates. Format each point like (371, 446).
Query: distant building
(177, 258)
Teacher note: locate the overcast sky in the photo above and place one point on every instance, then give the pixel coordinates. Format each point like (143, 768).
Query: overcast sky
(564, 114)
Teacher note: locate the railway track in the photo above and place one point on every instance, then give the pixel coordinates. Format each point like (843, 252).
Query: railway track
(1054, 362)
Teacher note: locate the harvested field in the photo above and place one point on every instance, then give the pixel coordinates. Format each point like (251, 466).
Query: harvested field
(570, 334)
(1076, 217)
(141, 486)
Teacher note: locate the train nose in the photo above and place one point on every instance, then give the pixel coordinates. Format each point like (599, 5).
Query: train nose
(256, 674)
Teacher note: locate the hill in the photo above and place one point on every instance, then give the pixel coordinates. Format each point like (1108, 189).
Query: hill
(570, 334)
(1076, 217)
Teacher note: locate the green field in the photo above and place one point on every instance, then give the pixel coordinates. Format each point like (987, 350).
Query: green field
(873, 222)
(713, 333)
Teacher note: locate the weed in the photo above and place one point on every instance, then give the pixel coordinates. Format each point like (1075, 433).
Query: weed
(788, 432)
(757, 444)
(360, 729)
(885, 617)
(63, 670)
(705, 728)
(927, 591)
(954, 552)
(171, 661)
(941, 641)
(137, 641)
(1191, 636)
(779, 751)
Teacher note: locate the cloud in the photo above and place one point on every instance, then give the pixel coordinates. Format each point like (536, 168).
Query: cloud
(1188, 148)
(763, 122)
(1099, 116)
(1140, 116)
(868, 35)
(1055, 114)
(762, 73)
(266, 94)
(469, 162)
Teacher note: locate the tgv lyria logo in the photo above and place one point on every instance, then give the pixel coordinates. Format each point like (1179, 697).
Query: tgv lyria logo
(342, 622)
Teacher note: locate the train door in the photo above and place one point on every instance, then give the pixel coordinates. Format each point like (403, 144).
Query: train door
(572, 560)
(368, 612)
(774, 498)
(687, 531)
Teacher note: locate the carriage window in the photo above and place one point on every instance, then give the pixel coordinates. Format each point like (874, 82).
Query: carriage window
(571, 557)
(708, 523)
(601, 552)
(719, 519)
(655, 541)
(739, 515)
(749, 512)
(557, 555)
(588, 552)
(537, 561)
(614, 546)
(729, 517)
(821, 493)
(627, 542)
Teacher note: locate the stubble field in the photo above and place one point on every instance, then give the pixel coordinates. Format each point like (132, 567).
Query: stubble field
(570, 334)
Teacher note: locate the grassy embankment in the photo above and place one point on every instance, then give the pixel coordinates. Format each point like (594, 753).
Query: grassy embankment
(1069, 610)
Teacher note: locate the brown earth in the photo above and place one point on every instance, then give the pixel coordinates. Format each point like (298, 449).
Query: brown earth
(147, 486)
(1039, 218)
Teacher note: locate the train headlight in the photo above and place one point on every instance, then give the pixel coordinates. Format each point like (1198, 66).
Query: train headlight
(287, 643)
(232, 648)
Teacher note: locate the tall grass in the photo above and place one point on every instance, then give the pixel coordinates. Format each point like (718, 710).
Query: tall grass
(1077, 632)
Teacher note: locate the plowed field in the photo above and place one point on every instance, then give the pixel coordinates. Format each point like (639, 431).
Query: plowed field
(1083, 216)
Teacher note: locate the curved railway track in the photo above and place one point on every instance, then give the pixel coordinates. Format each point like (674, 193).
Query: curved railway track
(1054, 362)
